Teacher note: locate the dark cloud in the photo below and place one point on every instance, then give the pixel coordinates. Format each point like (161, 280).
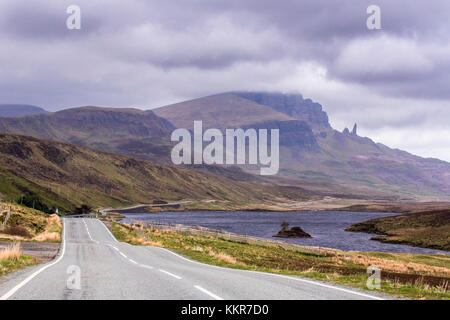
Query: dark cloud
(149, 53)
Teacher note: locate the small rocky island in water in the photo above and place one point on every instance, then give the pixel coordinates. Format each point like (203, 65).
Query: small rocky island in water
(294, 232)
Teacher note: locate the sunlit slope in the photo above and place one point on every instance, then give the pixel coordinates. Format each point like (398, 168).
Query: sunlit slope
(66, 175)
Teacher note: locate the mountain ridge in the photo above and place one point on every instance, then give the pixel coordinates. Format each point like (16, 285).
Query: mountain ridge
(310, 149)
(20, 110)
(342, 158)
(107, 129)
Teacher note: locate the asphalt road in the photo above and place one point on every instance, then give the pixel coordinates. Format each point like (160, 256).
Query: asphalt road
(109, 269)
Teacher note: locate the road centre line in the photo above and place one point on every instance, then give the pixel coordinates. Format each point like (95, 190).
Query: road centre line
(212, 295)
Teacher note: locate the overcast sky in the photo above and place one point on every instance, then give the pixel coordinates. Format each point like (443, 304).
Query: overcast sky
(394, 82)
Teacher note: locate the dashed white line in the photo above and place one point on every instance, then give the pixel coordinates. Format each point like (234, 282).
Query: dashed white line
(89, 234)
(129, 259)
(279, 276)
(170, 274)
(115, 248)
(259, 272)
(212, 295)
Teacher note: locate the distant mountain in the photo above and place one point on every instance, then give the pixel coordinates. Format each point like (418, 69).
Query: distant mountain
(129, 131)
(19, 110)
(229, 110)
(66, 175)
(313, 155)
(219, 111)
(312, 150)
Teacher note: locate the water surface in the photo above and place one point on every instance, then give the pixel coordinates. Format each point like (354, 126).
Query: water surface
(326, 227)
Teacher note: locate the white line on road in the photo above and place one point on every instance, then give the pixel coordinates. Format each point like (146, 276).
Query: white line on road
(170, 274)
(145, 266)
(89, 234)
(269, 274)
(280, 276)
(212, 295)
(34, 274)
(114, 238)
(115, 248)
(123, 255)
(132, 261)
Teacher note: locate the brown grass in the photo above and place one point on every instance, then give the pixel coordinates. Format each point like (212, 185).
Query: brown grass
(145, 242)
(222, 256)
(47, 236)
(396, 266)
(10, 252)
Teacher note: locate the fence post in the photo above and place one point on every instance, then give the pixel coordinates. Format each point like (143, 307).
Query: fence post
(8, 215)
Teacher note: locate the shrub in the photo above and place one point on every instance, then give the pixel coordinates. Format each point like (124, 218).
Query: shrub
(83, 209)
(32, 200)
(17, 231)
(284, 225)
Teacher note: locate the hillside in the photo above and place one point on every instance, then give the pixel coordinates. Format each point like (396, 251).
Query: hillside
(27, 224)
(311, 150)
(219, 111)
(423, 229)
(19, 110)
(65, 175)
(128, 131)
(313, 155)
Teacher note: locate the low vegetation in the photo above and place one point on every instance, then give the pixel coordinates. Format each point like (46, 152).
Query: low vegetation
(422, 229)
(26, 224)
(405, 275)
(32, 200)
(11, 259)
(66, 176)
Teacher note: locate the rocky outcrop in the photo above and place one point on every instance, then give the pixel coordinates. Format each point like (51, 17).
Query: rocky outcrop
(293, 133)
(293, 105)
(294, 232)
(355, 129)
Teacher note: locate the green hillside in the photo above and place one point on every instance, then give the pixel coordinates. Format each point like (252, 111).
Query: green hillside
(65, 175)
(423, 229)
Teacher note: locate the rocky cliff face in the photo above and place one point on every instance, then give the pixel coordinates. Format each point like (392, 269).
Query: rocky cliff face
(293, 105)
(293, 133)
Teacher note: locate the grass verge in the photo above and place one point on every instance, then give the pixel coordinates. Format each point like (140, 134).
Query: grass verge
(11, 259)
(408, 276)
(26, 224)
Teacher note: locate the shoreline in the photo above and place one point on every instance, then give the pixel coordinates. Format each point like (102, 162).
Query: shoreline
(194, 221)
(325, 204)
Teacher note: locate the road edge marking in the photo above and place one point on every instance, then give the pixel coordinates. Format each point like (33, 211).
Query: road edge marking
(281, 276)
(212, 295)
(267, 273)
(11, 292)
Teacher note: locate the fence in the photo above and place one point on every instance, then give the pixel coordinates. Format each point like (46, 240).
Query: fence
(225, 235)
